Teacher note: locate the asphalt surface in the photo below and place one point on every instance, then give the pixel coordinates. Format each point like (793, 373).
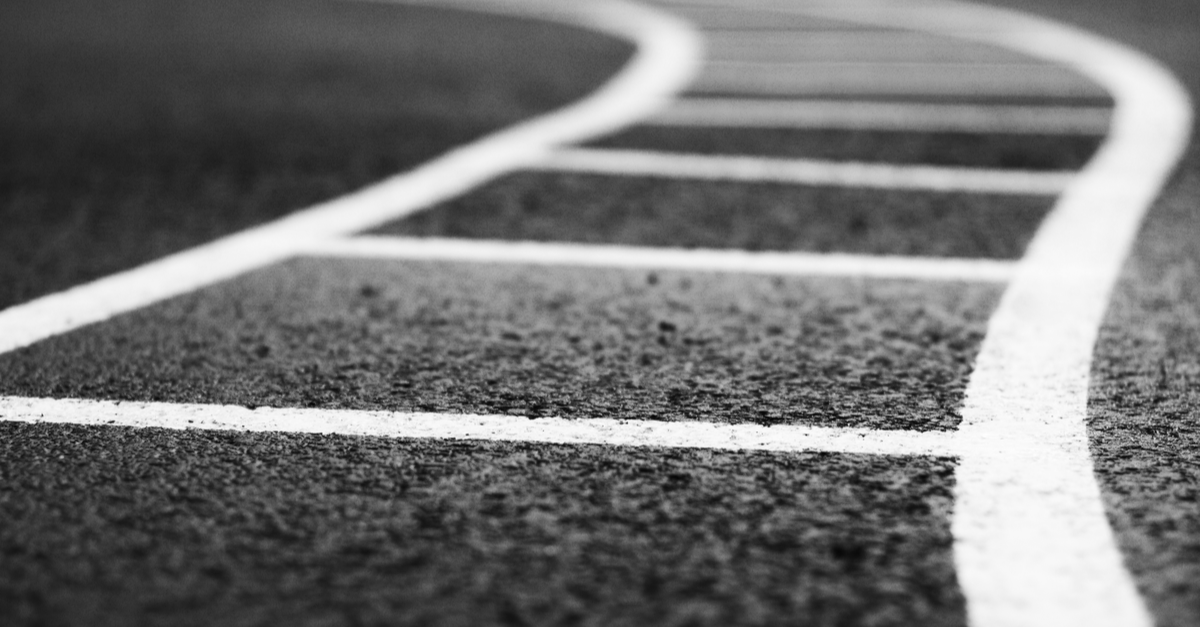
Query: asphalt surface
(131, 129)
(648, 211)
(107, 526)
(536, 341)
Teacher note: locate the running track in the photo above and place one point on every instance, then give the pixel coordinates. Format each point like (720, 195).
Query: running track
(1032, 543)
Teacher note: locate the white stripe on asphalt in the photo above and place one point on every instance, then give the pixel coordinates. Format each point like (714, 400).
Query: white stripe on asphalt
(666, 58)
(609, 432)
(698, 260)
(861, 79)
(803, 171)
(884, 116)
(842, 46)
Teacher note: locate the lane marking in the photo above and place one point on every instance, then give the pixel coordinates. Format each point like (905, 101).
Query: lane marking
(1032, 543)
(700, 260)
(913, 79)
(884, 116)
(612, 432)
(803, 171)
(843, 46)
(666, 57)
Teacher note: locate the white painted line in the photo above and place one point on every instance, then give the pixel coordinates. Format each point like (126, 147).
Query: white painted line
(803, 171)
(1032, 543)
(738, 19)
(608, 432)
(885, 116)
(860, 46)
(696, 260)
(666, 58)
(895, 79)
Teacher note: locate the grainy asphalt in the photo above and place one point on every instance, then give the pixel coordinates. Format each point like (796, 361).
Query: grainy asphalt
(648, 211)
(108, 526)
(536, 341)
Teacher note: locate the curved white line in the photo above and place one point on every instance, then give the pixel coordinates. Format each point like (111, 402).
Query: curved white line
(666, 58)
(1032, 542)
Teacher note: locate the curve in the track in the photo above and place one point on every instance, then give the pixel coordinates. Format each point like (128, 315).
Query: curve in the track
(1032, 543)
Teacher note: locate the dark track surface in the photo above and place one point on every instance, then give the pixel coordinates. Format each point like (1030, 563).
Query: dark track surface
(646, 211)
(120, 527)
(576, 343)
(1016, 152)
(130, 129)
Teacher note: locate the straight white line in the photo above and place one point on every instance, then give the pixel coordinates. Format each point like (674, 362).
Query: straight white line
(933, 79)
(1032, 542)
(698, 260)
(608, 432)
(803, 171)
(876, 46)
(885, 116)
(666, 57)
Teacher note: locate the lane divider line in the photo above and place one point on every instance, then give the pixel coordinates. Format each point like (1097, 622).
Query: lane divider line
(803, 171)
(666, 57)
(852, 115)
(885, 46)
(634, 257)
(932, 79)
(602, 431)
